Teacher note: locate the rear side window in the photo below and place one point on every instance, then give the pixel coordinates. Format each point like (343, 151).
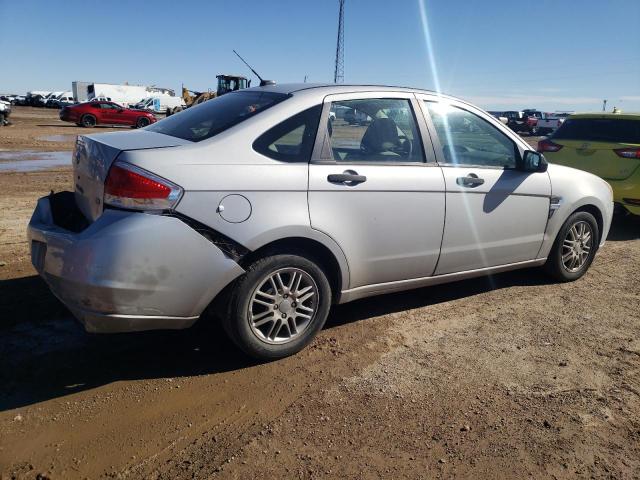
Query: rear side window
(291, 140)
(614, 130)
(214, 116)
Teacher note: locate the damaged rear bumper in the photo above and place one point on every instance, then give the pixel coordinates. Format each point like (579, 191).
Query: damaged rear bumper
(127, 271)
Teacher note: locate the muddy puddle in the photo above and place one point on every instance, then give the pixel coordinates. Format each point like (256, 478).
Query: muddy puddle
(28, 160)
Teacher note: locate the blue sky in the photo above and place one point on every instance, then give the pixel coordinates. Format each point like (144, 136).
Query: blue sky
(500, 54)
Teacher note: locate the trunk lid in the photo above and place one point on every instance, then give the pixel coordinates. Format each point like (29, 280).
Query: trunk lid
(93, 156)
(598, 158)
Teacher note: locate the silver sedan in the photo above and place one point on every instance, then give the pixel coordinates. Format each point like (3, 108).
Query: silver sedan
(270, 204)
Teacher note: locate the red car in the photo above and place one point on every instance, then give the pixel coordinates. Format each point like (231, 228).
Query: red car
(95, 113)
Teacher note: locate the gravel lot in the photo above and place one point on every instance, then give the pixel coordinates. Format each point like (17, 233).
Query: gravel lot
(506, 377)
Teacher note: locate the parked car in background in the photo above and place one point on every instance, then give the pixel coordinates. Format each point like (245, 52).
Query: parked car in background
(5, 111)
(34, 97)
(605, 144)
(258, 206)
(515, 120)
(55, 103)
(500, 116)
(47, 100)
(356, 117)
(90, 114)
(161, 104)
(549, 123)
(66, 100)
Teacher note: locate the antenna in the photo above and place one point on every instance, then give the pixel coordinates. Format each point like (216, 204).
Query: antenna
(338, 73)
(262, 82)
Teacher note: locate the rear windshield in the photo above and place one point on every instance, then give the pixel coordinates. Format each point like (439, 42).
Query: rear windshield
(214, 116)
(612, 130)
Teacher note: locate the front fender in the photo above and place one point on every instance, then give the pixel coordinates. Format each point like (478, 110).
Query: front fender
(576, 189)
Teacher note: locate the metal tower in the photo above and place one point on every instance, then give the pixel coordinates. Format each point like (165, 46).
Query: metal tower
(338, 74)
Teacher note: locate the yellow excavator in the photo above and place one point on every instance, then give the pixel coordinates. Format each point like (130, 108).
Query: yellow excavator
(226, 84)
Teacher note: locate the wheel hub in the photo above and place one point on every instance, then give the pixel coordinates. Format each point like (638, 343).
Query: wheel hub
(576, 246)
(283, 305)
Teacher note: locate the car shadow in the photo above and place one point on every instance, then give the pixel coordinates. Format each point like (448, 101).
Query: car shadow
(46, 354)
(506, 184)
(624, 227)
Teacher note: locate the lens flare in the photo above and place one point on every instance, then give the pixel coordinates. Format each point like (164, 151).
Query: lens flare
(443, 110)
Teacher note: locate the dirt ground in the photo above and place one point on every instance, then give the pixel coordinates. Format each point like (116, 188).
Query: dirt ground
(506, 377)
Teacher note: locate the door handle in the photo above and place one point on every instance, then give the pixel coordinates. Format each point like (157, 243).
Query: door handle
(349, 177)
(471, 180)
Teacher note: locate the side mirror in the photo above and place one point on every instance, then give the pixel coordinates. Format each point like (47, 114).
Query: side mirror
(534, 162)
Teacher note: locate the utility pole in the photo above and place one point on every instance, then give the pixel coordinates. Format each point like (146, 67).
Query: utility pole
(338, 73)
(604, 106)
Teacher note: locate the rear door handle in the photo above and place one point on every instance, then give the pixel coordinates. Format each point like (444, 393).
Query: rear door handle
(471, 180)
(349, 177)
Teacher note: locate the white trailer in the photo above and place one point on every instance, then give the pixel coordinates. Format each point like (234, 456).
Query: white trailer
(80, 91)
(123, 94)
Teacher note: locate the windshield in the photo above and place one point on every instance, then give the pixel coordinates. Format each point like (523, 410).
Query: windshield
(214, 116)
(599, 130)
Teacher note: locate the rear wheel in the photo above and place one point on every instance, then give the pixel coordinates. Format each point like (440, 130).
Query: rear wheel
(278, 306)
(574, 247)
(142, 122)
(88, 121)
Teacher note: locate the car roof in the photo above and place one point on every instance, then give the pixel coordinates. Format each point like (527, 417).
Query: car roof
(626, 116)
(330, 88)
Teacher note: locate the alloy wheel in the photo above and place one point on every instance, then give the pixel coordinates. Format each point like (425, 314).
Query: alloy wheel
(283, 305)
(577, 246)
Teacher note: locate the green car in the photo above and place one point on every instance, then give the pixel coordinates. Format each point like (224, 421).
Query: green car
(605, 144)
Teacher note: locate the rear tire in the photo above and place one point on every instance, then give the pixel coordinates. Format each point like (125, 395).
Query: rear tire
(574, 248)
(88, 121)
(142, 122)
(277, 306)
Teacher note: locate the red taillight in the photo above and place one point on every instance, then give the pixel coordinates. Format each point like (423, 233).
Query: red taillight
(628, 152)
(128, 186)
(546, 145)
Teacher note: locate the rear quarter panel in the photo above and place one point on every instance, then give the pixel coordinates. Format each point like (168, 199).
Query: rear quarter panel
(226, 164)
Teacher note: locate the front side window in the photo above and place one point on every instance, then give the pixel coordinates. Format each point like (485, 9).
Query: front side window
(291, 140)
(467, 139)
(374, 130)
(214, 116)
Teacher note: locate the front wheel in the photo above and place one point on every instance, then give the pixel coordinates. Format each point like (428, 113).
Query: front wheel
(574, 247)
(278, 306)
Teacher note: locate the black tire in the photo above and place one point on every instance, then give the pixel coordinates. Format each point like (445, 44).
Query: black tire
(236, 321)
(168, 112)
(142, 122)
(555, 265)
(88, 121)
